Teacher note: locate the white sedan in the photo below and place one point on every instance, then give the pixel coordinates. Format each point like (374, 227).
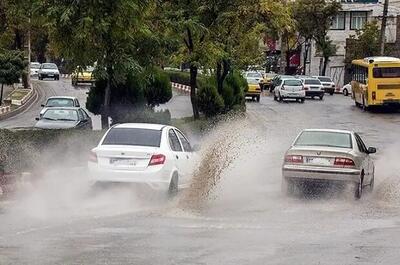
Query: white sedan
(155, 155)
(345, 90)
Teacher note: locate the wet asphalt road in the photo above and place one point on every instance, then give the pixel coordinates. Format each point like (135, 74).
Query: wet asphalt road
(247, 220)
(45, 89)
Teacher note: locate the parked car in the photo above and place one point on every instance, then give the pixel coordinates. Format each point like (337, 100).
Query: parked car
(155, 155)
(290, 89)
(64, 118)
(313, 87)
(331, 156)
(327, 82)
(83, 75)
(345, 90)
(34, 68)
(60, 101)
(48, 70)
(254, 81)
(267, 81)
(276, 80)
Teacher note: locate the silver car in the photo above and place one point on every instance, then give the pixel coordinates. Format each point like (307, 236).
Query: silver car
(328, 156)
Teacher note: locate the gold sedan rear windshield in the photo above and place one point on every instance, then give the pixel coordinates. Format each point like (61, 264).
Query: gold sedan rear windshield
(322, 138)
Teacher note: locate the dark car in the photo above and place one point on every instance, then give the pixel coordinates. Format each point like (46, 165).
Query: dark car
(64, 118)
(276, 81)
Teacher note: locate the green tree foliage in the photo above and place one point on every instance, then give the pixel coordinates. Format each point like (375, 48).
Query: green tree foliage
(137, 93)
(12, 66)
(158, 90)
(188, 22)
(365, 43)
(110, 33)
(210, 101)
(233, 90)
(313, 21)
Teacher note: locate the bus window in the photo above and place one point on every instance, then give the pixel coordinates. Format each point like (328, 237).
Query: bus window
(386, 72)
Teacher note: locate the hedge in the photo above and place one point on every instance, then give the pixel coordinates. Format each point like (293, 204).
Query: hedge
(27, 150)
(183, 78)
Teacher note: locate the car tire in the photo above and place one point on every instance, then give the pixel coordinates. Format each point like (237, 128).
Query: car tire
(345, 92)
(258, 98)
(364, 107)
(331, 93)
(302, 100)
(173, 185)
(313, 97)
(359, 188)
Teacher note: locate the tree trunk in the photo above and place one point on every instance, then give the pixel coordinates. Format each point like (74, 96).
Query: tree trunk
(193, 95)
(223, 69)
(326, 61)
(1, 94)
(282, 63)
(107, 99)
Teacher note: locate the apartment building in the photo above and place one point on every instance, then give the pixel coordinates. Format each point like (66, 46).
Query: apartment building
(353, 16)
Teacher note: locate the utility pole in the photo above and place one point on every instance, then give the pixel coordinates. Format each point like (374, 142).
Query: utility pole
(29, 53)
(383, 27)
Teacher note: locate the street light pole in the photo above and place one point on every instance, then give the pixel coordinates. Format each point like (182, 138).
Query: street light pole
(383, 27)
(29, 54)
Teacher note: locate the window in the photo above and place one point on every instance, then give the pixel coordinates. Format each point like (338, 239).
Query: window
(325, 79)
(324, 138)
(312, 82)
(387, 72)
(339, 21)
(60, 115)
(185, 142)
(60, 102)
(80, 115)
(174, 141)
(293, 82)
(360, 74)
(133, 136)
(85, 115)
(358, 20)
(361, 146)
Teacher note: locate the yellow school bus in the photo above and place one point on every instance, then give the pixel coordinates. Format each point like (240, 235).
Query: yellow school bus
(376, 81)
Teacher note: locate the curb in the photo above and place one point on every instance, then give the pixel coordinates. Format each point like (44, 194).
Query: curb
(180, 87)
(66, 76)
(5, 109)
(32, 99)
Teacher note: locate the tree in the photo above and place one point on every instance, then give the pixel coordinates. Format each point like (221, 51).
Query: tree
(313, 21)
(188, 22)
(105, 32)
(365, 43)
(327, 50)
(12, 66)
(278, 20)
(137, 92)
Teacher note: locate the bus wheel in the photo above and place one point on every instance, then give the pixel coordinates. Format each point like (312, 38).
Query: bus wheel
(364, 107)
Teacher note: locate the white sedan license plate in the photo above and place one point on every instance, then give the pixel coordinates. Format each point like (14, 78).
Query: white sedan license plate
(123, 162)
(319, 161)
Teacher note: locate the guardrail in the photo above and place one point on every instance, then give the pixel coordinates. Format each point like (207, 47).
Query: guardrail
(5, 109)
(180, 87)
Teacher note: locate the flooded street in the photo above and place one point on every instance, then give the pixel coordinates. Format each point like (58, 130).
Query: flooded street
(234, 213)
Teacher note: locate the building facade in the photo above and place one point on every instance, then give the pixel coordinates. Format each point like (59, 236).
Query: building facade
(352, 17)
